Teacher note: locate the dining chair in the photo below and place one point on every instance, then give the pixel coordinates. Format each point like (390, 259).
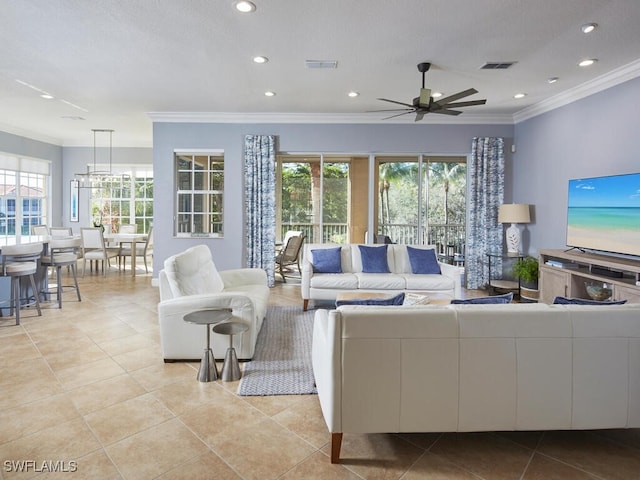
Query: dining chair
(142, 250)
(19, 261)
(62, 253)
(60, 231)
(39, 230)
(94, 248)
(127, 228)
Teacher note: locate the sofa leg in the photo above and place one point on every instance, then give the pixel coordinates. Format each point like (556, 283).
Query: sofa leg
(305, 304)
(336, 443)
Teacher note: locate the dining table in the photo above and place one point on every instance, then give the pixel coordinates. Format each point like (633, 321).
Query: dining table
(131, 238)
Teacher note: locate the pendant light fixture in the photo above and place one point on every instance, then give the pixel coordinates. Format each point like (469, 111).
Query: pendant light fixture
(94, 174)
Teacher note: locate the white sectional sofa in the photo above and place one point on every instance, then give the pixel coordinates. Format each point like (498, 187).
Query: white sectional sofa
(325, 286)
(466, 368)
(190, 282)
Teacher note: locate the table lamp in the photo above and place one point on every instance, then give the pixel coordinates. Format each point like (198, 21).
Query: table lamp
(513, 213)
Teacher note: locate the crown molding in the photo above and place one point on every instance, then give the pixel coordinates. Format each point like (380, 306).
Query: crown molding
(608, 80)
(335, 118)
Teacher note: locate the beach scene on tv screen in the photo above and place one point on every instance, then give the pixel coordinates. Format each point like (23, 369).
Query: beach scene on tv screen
(604, 213)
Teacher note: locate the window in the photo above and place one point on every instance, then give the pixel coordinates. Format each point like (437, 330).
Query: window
(422, 200)
(23, 195)
(324, 196)
(124, 198)
(199, 194)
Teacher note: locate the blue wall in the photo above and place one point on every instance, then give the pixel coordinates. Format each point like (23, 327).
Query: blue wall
(595, 136)
(228, 252)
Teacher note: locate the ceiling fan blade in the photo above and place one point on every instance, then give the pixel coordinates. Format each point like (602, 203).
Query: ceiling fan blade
(419, 116)
(444, 111)
(456, 96)
(399, 114)
(394, 101)
(425, 97)
(470, 103)
(392, 110)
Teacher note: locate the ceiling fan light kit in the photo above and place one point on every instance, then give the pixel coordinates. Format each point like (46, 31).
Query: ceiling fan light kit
(425, 103)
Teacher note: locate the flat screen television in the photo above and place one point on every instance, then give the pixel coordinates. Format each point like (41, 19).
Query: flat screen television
(604, 214)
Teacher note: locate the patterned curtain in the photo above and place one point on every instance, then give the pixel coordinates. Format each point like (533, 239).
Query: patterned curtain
(486, 193)
(260, 202)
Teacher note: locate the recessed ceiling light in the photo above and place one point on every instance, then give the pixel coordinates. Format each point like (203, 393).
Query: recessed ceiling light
(245, 7)
(436, 94)
(588, 27)
(260, 59)
(552, 80)
(47, 96)
(520, 95)
(587, 62)
(353, 94)
(270, 94)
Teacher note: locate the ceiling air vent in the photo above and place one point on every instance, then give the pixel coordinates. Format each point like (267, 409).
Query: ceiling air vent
(496, 65)
(321, 63)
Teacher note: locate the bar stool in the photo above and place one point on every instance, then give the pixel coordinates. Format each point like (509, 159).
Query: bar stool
(21, 261)
(62, 253)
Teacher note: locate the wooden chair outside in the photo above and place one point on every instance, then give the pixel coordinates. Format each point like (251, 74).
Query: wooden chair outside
(290, 254)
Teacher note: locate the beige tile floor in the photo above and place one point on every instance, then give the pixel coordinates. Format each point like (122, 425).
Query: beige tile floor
(84, 388)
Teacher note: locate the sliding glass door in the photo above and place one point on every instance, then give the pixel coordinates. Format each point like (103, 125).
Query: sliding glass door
(411, 199)
(324, 196)
(398, 199)
(445, 186)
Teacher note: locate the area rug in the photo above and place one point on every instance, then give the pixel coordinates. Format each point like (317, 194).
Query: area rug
(281, 363)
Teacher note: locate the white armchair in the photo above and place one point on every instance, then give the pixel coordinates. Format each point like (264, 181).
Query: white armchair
(190, 282)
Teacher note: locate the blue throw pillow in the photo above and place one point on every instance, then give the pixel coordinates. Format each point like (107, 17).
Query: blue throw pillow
(397, 300)
(374, 259)
(583, 301)
(506, 298)
(423, 261)
(326, 260)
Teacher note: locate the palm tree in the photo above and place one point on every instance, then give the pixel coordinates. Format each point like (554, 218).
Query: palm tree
(446, 173)
(315, 200)
(388, 172)
(448, 176)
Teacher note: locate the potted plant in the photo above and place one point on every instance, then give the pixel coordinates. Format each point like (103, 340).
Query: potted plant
(526, 269)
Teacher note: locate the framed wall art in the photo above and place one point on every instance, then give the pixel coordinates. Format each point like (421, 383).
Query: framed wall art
(73, 204)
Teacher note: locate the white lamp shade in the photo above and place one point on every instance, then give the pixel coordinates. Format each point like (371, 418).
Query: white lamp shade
(514, 213)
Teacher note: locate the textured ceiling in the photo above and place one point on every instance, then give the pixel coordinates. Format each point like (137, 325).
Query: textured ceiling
(119, 60)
